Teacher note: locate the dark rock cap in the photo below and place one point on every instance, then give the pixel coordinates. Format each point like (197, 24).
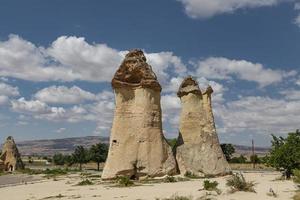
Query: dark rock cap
(188, 85)
(135, 72)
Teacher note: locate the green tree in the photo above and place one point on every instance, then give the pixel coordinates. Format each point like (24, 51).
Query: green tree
(69, 160)
(228, 150)
(80, 156)
(241, 159)
(254, 159)
(58, 159)
(98, 153)
(285, 153)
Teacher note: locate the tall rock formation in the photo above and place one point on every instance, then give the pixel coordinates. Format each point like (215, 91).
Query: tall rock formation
(137, 145)
(10, 156)
(198, 150)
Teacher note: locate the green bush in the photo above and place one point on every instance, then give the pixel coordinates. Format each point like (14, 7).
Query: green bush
(210, 185)
(190, 175)
(85, 182)
(124, 181)
(240, 159)
(237, 182)
(170, 179)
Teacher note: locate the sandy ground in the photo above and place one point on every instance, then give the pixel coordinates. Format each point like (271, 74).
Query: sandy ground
(65, 186)
(17, 179)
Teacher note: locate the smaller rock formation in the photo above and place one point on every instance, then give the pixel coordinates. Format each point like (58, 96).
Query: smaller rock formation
(11, 159)
(198, 150)
(137, 145)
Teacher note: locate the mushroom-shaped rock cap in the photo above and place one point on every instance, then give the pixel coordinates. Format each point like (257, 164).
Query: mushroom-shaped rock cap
(188, 85)
(135, 72)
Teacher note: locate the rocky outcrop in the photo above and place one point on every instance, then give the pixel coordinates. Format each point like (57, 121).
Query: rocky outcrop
(10, 156)
(198, 150)
(137, 145)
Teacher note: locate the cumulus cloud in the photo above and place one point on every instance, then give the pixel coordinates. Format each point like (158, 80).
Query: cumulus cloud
(258, 114)
(64, 95)
(99, 111)
(8, 90)
(225, 69)
(210, 8)
(72, 58)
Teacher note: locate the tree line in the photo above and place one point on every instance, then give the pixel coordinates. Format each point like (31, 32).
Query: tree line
(96, 153)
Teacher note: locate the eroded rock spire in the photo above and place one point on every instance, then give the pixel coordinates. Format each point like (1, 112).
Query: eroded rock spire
(11, 159)
(198, 150)
(137, 145)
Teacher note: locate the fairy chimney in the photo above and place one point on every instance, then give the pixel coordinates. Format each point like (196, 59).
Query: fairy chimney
(198, 149)
(137, 145)
(11, 158)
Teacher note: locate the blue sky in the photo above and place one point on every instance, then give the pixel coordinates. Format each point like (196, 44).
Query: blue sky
(57, 59)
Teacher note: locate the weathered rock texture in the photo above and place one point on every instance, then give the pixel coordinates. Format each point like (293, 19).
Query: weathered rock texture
(198, 150)
(10, 156)
(137, 145)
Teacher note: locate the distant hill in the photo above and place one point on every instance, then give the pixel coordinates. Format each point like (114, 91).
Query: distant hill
(67, 146)
(64, 146)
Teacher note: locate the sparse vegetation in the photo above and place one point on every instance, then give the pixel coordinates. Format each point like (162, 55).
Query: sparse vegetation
(124, 181)
(191, 175)
(170, 179)
(176, 197)
(272, 193)
(240, 159)
(85, 182)
(211, 186)
(55, 197)
(237, 182)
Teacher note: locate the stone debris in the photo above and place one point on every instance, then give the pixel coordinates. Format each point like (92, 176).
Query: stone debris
(137, 145)
(198, 149)
(10, 157)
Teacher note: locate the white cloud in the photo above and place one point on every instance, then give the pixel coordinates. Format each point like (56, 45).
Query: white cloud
(60, 130)
(72, 58)
(35, 106)
(64, 95)
(210, 8)
(223, 68)
(8, 90)
(297, 20)
(258, 114)
(3, 100)
(291, 94)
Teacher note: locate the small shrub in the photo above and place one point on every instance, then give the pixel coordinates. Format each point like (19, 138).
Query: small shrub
(85, 182)
(55, 197)
(191, 175)
(296, 178)
(124, 181)
(211, 186)
(176, 197)
(237, 182)
(271, 193)
(170, 179)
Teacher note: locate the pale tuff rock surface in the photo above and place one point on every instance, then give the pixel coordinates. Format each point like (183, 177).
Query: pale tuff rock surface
(198, 150)
(137, 145)
(11, 159)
